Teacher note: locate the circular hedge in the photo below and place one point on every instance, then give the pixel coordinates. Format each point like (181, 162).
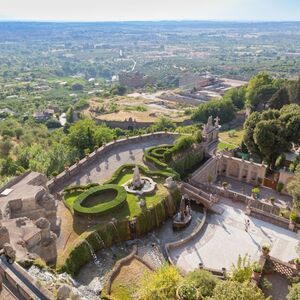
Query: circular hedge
(87, 203)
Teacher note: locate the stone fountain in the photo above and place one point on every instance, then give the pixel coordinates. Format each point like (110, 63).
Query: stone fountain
(139, 185)
(184, 216)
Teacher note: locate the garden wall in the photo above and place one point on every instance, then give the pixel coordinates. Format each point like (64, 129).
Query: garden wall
(63, 178)
(186, 240)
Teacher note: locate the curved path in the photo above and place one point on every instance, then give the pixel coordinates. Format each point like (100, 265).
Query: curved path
(102, 169)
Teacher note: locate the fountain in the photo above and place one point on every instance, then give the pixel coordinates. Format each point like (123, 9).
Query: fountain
(93, 254)
(139, 185)
(99, 239)
(184, 216)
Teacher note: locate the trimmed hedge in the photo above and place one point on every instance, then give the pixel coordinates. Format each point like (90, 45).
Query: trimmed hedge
(144, 170)
(101, 208)
(151, 156)
(79, 188)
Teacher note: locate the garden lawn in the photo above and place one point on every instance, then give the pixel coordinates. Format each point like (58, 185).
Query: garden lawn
(131, 208)
(222, 146)
(234, 137)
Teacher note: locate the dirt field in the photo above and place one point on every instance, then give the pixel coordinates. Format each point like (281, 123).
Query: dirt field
(137, 107)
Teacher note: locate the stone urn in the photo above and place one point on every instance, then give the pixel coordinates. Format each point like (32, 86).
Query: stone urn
(187, 292)
(265, 250)
(257, 270)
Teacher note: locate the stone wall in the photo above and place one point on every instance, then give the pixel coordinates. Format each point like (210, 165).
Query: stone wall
(285, 177)
(75, 169)
(232, 167)
(182, 242)
(208, 171)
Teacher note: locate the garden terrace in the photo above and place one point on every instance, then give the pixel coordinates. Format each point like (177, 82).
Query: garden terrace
(158, 207)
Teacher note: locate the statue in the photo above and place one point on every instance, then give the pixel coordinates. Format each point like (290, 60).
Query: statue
(217, 119)
(184, 215)
(210, 122)
(170, 183)
(136, 181)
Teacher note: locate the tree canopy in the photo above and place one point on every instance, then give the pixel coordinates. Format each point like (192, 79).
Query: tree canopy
(224, 109)
(272, 132)
(233, 290)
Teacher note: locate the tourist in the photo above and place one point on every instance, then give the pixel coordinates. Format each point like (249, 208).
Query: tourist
(246, 225)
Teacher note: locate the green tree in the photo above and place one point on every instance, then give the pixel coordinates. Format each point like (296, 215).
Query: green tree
(272, 132)
(270, 139)
(260, 89)
(5, 147)
(223, 109)
(294, 292)
(53, 123)
(81, 135)
(163, 124)
(237, 96)
(279, 98)
(294, 92)
(160, 285)
(19, 132)
(202, 280)
(233, 290)
(294, 188)
(242, 271)
(8, 167)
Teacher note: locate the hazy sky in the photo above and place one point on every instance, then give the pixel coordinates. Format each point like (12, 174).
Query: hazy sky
(119, 10)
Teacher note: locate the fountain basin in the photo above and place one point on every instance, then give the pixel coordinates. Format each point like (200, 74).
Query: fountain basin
(147, 186)
(178, 223)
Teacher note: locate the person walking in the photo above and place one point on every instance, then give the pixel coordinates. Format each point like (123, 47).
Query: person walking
(246, 225)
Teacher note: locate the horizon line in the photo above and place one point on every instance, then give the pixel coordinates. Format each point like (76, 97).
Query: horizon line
(150, 20)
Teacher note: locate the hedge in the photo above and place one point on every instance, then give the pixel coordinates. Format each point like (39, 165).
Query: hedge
(144, 170)
(75, 188)
(100, 208)
(158, 151)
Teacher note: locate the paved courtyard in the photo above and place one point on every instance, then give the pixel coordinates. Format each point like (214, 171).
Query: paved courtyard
(245, 188)
(224, 238)
(102, 169)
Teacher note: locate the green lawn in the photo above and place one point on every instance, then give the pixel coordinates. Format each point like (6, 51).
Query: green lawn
(222, 146)
(131, 208)
(233, 137)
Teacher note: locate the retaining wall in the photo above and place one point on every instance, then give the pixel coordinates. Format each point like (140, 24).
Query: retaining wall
(182, 242)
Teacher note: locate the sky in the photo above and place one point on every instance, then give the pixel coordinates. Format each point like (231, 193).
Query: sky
(128, 10)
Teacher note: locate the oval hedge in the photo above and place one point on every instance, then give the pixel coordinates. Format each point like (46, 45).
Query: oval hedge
(103, 207)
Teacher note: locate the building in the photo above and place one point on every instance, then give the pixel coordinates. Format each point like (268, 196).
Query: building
(28, 216)
(135, 79)
(42, 116)
(195, 81)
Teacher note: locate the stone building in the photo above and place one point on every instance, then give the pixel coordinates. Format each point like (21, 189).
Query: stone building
(28, 213)
(135, 79)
